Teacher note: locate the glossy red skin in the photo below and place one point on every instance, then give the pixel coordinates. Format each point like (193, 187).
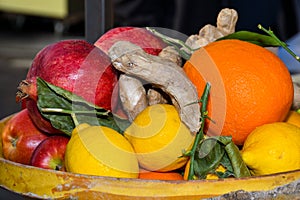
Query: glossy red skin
(21, 131)
(42, 123)
(50, 153)
(76, 66)
(139, 36)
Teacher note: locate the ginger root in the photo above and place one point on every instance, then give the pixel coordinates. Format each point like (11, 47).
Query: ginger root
(172, 54)
(132, 95)
(226, 22)
(155, 97)
(162, 73)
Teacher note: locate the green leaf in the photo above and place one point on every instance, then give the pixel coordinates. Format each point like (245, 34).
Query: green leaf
(208, 157)
(215, 151)
(239, 167)
(225, 162)
(252, 37)
(57, 105)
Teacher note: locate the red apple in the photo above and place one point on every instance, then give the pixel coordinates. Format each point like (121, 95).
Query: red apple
(20, 137)
(50, 153)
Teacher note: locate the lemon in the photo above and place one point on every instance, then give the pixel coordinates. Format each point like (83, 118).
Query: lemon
(99, 150)
(159, 138)
(272, 148)
(293, 118)
(211, 176)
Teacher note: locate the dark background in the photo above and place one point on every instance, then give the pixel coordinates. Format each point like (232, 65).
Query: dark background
(22, 36)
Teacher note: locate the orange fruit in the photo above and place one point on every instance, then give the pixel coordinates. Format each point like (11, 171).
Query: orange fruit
(152, 175)
(187, 170)
(250, 86)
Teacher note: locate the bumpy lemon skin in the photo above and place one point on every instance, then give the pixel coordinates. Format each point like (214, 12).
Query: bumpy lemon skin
(272, 148)
(293, 117)
(159, 138)
(101, 151)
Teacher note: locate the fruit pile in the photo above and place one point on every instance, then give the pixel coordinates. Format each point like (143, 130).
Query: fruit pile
(130, 106)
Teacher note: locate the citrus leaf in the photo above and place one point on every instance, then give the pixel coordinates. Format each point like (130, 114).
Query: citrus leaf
(252, 37)
(239, 167)
(225, 162)
(208, 157)
(53, 97)
(215, 151)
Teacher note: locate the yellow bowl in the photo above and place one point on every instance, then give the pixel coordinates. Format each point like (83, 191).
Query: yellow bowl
(40, 183)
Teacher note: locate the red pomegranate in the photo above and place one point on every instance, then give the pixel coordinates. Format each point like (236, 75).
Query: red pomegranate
(76, 66)
(139, 36)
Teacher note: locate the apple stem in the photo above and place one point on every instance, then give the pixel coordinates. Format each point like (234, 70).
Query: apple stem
(14, 142)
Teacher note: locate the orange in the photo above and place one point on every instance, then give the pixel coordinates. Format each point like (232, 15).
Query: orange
(152, 175)
(250, 86)
(187, 170)
(293, 118)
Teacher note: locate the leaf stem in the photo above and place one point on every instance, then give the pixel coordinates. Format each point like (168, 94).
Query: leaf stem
(174, 42)
(168, 39)
(70, 112)
(200, 134)
(281, 43)
(60, 110)
(74, 118)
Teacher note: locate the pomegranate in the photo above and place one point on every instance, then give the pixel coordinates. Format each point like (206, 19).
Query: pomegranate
(76, 66)
(139, 36)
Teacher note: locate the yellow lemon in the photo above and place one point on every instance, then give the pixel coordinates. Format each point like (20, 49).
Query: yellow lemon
(159, 138)
(99, 150)
(210, 176)
(272, 148)
(293, 118)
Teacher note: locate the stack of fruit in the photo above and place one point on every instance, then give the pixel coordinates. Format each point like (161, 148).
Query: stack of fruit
(76, 120)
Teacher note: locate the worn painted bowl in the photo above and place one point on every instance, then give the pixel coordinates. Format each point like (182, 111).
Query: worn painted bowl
(40, 183)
